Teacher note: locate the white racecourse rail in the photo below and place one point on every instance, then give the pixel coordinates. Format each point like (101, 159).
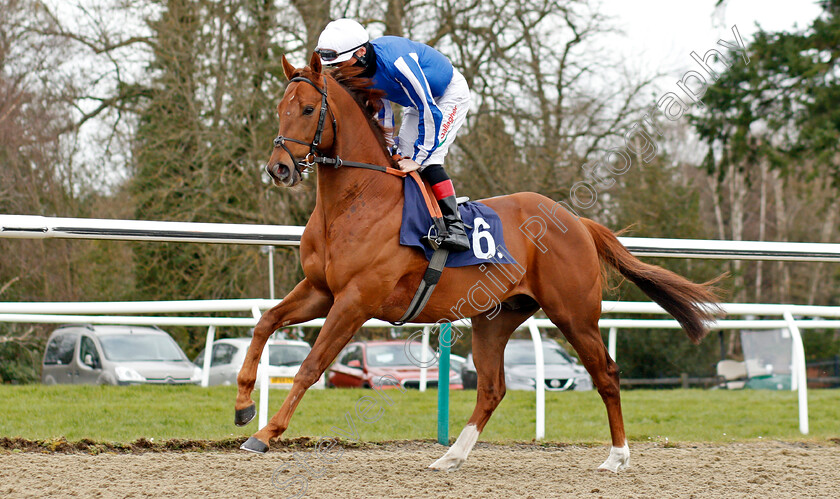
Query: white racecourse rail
(39, 227)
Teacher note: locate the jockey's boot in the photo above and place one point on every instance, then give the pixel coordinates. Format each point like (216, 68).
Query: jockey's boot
(455, 238)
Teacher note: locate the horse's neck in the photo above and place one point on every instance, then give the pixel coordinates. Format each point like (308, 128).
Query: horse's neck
(343, 187)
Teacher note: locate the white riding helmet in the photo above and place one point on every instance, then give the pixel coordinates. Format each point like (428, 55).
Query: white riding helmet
(340, 39)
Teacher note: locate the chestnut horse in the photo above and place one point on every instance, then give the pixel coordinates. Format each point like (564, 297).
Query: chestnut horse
(356, 269)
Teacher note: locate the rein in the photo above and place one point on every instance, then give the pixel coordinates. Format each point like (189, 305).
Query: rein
(338, 162)
(315, 156)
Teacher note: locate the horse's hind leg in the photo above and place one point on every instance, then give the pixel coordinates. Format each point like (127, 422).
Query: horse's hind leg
(579, 323)
(489, 340)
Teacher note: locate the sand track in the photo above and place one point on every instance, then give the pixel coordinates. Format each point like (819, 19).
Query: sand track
(761, 469)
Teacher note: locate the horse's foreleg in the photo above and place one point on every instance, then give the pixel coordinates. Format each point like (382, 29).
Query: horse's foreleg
(489, 340)
(345, 317)
(304, 303)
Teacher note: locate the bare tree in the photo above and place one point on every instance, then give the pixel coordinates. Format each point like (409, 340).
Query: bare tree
(538, 83)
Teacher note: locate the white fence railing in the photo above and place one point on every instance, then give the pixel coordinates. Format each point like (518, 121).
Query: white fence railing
(38, 227)
(70, 313)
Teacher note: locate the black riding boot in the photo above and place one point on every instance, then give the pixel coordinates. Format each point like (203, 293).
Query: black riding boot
(456, 238)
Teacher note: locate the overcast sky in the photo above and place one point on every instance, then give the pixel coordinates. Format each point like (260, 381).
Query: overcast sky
(662, 33)
(658, 36)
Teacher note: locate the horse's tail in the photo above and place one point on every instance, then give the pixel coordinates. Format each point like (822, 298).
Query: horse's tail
(691, 304)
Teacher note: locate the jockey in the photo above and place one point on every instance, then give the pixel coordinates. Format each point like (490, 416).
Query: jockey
(435, 97)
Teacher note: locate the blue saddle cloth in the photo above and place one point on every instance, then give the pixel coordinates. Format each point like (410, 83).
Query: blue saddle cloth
(486, 237)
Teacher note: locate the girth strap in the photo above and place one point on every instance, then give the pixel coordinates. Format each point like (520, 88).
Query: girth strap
(436, 263)
(427, 286)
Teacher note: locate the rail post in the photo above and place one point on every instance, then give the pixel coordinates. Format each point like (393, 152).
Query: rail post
(445, 342)
(540, 381)
(208, 354)
(799, 375)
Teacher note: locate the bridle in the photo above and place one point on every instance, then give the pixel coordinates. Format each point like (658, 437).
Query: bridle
(314, 156)
(310, 159)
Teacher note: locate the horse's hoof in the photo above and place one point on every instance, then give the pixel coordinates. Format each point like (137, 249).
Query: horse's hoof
(457, 454)
(619, 459)
(254, 445)
(447, 463)
(244, 416)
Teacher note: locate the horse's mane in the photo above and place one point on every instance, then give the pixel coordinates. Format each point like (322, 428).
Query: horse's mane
(368, 99)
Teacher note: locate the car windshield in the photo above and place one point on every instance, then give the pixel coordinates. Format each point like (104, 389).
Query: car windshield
(287, 355)
(140, 347)
(395, 355)
(523, 353)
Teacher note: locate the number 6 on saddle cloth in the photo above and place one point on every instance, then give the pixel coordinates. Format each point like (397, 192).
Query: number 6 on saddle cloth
(484, 229)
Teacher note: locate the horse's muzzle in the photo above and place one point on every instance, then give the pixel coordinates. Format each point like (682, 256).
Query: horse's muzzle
(282, 175)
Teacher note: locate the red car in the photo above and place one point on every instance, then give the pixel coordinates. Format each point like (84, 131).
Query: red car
(362, 363)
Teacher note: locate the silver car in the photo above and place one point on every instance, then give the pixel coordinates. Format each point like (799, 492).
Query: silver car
(115, 355)
(284, 360)
(562, 372)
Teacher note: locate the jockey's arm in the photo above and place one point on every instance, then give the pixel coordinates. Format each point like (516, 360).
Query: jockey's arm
(410, 75)
(386, 119)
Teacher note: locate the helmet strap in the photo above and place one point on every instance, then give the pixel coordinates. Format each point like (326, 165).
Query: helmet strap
(367, 61)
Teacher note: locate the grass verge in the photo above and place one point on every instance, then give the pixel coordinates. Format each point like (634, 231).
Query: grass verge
(124, 415)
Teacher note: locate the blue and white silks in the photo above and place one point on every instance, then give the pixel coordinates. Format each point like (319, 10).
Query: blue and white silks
(413, 75)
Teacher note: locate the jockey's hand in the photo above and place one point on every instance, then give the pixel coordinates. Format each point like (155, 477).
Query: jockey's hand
(408, 165)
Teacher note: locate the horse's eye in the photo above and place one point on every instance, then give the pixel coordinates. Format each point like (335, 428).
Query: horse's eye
(308, 110)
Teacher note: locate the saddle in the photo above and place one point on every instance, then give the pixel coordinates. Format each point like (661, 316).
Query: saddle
(421, 224)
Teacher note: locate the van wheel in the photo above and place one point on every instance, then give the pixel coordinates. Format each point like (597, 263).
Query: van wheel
(106, 379)
(49, 380)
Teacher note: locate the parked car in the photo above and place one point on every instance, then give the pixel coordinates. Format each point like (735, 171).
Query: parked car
(456, 362)
(361, 364)
(284, 360)
(562, 371)
(115, 355)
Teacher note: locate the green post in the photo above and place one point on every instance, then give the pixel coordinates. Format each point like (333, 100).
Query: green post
(445, 342)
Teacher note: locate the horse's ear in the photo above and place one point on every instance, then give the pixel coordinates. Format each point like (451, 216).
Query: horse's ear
(288, 68)
(315, 63)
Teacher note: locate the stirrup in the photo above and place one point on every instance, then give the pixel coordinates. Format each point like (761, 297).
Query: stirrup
(436, 234)
(434, 241)
(431, 242)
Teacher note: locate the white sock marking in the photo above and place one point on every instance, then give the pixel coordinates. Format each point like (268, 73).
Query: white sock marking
(457, 454)
(619, 459)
